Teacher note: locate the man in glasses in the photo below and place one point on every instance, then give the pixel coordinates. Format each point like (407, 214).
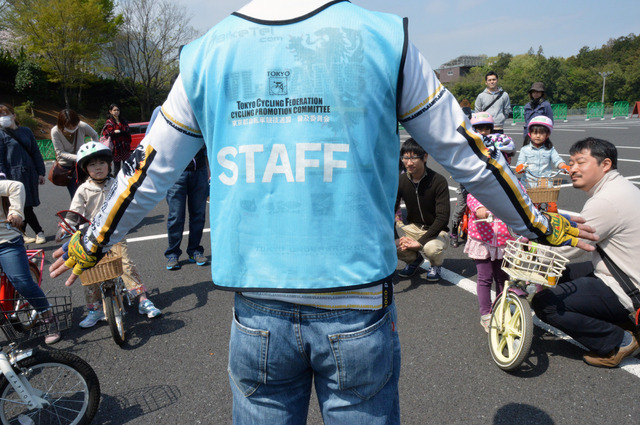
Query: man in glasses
(426, 196)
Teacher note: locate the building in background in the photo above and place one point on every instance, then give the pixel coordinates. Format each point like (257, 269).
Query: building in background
(457, 68)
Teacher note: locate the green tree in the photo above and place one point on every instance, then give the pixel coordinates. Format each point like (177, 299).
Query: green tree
(63, 35)
(143, 57)
(30, 79)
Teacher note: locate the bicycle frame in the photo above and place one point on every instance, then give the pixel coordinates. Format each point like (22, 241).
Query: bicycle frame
(18, 382)
(530, 267)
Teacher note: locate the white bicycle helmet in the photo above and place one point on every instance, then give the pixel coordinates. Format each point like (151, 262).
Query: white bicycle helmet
(541, 120)
(503, 143)
(92, 150)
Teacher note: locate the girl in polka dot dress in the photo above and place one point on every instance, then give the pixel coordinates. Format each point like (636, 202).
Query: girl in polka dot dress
(486, 241)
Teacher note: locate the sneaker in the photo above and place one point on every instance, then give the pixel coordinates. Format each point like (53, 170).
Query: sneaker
(410, 269)
(28, 239)
(433, 274)
(485, 320)
(172, 263)
(53, 332)
(92, 318)
(40, 238)
(147, 307)
(198, 258)
(614, 358)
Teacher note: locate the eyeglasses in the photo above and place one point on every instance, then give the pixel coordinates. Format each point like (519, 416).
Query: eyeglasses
(410, 158)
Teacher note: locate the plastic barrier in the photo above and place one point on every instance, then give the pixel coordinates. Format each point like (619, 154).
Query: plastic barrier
(636, 110)
(559, 111)
(518, 114)
(595, 110)
(46, 149)
(620, 109)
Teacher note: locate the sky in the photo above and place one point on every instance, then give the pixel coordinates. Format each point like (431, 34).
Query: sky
(445, 29)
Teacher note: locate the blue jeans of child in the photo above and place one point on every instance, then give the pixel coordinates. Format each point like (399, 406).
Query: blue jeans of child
(190, 191)
(14, 262)
(278, 349)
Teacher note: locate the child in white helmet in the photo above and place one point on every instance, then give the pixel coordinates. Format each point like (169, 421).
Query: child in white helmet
(538, 157)
(94, 160)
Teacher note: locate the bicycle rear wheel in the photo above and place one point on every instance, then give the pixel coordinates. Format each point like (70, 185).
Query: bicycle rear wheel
(114, 309)
(510, 332)
(65, 381)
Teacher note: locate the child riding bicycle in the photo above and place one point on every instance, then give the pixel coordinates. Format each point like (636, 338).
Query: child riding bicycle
(538, 157)
(94, 161)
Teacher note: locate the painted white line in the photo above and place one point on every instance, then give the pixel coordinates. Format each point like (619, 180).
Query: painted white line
(630, 364)
(568, 129)
(153, 237)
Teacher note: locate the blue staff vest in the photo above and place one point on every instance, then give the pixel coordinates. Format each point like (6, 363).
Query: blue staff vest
(299, 119)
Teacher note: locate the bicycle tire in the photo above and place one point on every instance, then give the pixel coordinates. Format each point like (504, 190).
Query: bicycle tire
(510, 332)
(64, 379)
(114, 309)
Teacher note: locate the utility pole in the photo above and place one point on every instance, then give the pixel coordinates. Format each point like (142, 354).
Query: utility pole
(604, 76)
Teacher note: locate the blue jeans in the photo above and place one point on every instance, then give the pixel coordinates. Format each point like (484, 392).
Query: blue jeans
(14, 262)
(191, 190)
(278, 349)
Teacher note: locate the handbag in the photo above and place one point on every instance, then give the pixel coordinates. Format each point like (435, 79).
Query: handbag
(59, 175)
(106, 140)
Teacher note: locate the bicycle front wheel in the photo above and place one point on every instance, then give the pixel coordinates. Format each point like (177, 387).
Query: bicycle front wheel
(66, 382)
(114, 309)
(510, 332)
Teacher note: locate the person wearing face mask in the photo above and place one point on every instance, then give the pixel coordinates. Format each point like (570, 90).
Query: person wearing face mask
(20, 160)
(67, 137)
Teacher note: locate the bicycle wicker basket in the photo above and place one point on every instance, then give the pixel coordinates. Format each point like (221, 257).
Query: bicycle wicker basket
(534, 263)
(109, 267)
(544, 190)
(23, 322)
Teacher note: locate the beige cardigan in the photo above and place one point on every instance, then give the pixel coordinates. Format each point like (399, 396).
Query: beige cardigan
(14, 190)
(65, 154)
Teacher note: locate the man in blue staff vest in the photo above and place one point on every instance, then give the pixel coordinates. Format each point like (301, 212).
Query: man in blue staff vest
(298, 105)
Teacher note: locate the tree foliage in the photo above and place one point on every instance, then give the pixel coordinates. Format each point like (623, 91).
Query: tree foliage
(574, 81)
(143, 57)
(63, 35)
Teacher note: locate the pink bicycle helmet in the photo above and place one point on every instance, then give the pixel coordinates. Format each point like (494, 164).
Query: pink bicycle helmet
(541, 120)
(481, 118)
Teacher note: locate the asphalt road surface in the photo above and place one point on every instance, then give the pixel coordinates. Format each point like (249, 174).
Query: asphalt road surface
(172, 370)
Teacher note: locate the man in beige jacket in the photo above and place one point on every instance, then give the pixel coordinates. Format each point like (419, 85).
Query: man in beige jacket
(591, 308)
